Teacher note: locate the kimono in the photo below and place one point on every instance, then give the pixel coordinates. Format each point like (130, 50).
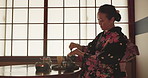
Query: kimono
(103, 55)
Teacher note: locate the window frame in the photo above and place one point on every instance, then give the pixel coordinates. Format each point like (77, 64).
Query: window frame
(33, 59)
(131, 22)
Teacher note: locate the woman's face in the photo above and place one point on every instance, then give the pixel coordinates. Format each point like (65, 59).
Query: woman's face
(104, 22)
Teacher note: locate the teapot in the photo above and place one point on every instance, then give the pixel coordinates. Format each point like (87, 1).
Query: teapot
(68, 64)
(46, 60)
(44, 65)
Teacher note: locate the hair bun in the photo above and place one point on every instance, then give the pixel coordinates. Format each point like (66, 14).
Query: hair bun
(117, 17)
(117, 11)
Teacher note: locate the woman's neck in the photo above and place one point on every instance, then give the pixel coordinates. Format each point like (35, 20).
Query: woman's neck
(109, 29)
(106, 31)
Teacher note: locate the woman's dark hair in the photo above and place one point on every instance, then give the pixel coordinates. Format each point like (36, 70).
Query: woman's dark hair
(110, 11)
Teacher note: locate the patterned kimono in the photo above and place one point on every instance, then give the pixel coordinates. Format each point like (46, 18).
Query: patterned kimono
(103, 54)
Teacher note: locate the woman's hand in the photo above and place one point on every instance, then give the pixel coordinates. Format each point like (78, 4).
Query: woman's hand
(74, 45)
(76, 52)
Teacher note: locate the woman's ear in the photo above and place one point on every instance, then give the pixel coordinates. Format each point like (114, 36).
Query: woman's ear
(112, 19)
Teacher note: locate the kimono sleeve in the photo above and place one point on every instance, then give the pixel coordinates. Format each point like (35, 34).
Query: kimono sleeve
(90, 49)
(113, 52)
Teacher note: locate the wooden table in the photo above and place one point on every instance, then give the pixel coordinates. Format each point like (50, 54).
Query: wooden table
(29, 71)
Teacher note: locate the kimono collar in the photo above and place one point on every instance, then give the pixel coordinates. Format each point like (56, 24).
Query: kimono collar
(114, 29)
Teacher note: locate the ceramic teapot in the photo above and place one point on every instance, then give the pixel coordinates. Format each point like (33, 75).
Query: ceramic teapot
(68, 63)
(44, 65)
(46, 60)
